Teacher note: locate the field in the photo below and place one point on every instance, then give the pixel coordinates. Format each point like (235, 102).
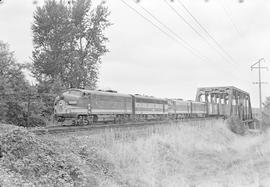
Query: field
(191, 154)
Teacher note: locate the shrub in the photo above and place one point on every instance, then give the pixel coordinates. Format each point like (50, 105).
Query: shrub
(236, 125)
(37, 160)
(35, 121)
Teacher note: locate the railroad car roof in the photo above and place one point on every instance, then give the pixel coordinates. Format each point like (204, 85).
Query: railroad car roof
(100, 92)
(179, 100)
(222, 88)
(196, 102)
(186, 101)
(148, 97)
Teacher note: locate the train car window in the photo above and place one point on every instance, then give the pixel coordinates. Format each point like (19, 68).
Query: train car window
(75, 92)
(150, 100)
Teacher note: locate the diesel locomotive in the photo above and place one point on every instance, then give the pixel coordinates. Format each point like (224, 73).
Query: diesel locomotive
(85, 107)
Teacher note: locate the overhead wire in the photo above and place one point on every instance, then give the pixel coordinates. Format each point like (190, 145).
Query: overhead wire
(209, 35)
(153, 24)
(187, 46)
(179, 15)
(197, 32)
(206, 31)
(230, 19)
(170, 30)
(154, 17)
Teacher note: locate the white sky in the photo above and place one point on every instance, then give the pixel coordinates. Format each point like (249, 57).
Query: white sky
(144, 60)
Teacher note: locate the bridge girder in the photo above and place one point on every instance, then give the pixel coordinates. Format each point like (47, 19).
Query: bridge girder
(236, 101)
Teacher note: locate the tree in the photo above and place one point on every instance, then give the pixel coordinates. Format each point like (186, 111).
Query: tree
(12, 86)
(266, 112)
(69, 42)
(15, 92)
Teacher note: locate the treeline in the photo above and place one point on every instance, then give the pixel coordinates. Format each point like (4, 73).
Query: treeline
(68, 43)
(266, 113)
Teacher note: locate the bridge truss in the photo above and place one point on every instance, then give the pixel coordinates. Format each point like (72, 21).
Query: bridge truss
(230, 101)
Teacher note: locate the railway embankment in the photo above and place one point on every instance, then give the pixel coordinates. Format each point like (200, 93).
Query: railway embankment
(202, 154)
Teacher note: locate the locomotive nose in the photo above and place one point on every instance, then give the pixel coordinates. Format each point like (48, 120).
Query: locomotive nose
(61, 105)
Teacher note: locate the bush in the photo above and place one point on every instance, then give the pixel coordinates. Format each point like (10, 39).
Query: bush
(36, 160)
(35, 121)
(236, 125)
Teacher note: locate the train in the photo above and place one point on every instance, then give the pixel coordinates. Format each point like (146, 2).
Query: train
(86, 107)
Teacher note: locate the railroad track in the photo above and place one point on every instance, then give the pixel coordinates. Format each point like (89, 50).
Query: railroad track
(67, 129)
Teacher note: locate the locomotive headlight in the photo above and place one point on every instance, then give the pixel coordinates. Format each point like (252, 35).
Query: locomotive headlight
(62, 103)
(61, 106)
(89, 108)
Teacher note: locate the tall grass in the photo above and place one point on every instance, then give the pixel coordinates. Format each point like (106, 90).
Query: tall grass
(187, 154)
(204, 154)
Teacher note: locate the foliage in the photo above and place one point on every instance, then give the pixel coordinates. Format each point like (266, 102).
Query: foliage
(12, 86)
(47, 91)
(68, 43)
(12, 82)
(37, 161)
(14, 93)
(236, 125)
(184, 154)
(266, 113)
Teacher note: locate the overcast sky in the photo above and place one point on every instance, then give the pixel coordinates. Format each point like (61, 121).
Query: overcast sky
(144, 60)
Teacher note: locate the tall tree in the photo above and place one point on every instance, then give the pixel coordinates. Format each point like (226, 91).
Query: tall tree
(13, 86)
(69, 42)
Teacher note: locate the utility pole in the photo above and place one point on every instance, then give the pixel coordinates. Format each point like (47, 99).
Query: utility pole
(259, 67)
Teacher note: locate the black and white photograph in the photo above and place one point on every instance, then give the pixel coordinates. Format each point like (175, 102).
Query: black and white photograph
(134, 93)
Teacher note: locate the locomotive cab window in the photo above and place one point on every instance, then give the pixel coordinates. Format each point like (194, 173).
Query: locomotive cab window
(75, 92)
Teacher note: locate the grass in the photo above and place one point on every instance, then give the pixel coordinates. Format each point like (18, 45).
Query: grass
(192, 154)
(204, 154)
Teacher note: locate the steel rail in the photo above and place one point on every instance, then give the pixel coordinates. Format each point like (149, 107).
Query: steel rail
(68, 129)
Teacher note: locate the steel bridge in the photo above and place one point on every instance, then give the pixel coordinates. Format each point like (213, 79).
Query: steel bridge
(228, 101)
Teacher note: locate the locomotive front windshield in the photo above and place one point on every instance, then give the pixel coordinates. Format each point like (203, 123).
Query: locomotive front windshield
(74, 92)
